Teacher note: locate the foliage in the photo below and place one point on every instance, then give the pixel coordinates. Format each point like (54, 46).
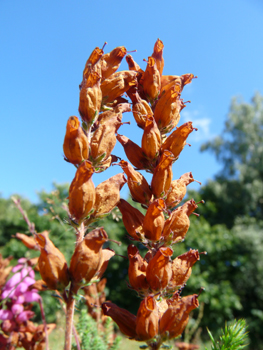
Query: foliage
(234, 337)
(91, 337)
(237, 190)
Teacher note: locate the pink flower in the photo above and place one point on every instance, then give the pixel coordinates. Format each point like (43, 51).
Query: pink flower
(24, 316)
(6, 315)
(17, 308)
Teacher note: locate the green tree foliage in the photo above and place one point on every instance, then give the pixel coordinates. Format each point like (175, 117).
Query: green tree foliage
(238, 189)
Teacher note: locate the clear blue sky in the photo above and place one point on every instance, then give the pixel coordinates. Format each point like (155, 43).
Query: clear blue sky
(44, 47)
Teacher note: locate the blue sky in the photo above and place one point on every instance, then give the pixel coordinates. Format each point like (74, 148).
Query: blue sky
(44, 47)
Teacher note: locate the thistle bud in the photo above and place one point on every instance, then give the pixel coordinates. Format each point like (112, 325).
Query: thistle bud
(133, 152)
(104, 139)
(132, 219)
(162, 176)
(86, 259)
(151, 139)
(90, 98)
(82, 192)
(137, 270)
(153, 222)
(167, 109)
(176, 227)
(159, 270)
(52, 263)
(177, 140)
(182, 268)
(147, 321)
(111, 61)
(124, 319)
(108, 194)
(178, 190)
(176, 317)
(151, 80)
(158, 55)
(117, 84)
(140, 108)
(76, 142)
(139, 188)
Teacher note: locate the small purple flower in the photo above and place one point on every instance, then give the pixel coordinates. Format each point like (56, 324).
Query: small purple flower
(24, 316)
(17, 308)
(5, 315)
(31, 296)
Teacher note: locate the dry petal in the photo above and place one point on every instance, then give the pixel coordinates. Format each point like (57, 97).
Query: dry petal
(147, 321)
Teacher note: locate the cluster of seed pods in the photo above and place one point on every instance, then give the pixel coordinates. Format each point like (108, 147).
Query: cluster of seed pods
(155, 101)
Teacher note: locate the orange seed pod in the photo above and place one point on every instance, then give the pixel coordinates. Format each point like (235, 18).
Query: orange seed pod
(133, 152)
(158, 55)
(162, 176)
(90, 98)
(111, 61)
(147, 321)
(151, 139)
(159, 270)
(52, 263)
(108, 194)
(139, 188)
(153, 222)
(137, 270)
(151, 80)
(75, 145)
(82, 192)
(132, 219)
(178, 190)
(86, 259)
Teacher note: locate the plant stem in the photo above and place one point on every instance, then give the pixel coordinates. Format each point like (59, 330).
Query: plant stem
(69, 320)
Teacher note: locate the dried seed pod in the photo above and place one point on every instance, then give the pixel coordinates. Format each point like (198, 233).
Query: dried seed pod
(124, 319)
(158, 55)
(140, 108)
(111, 61)
(151, 80)
(182, 268)
(75, 145)
(175, 319)
(86, 259)
(82, 192)
(90, 98)
(147, 321)
(132, 64)
(108, 194)
(133, 152)
(132, 219)
(151, 139)
(52, 263)
(117, 84)
(137, 270)
(162, 176)
(167, 109)
(159, 270)
(176, 227)
(107, 254)
(104, 139)
(178, 190)
(91, 62)
(169, 80)
(177, 140)
(139, 188)
(28, 241)
(153, 222)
